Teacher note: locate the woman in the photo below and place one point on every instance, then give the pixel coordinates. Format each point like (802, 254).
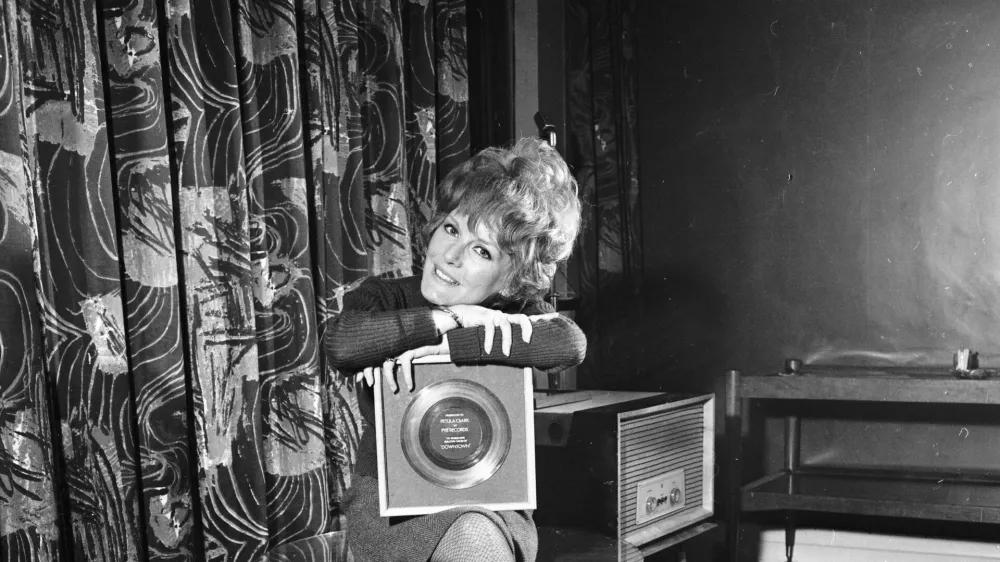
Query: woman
(504, 219)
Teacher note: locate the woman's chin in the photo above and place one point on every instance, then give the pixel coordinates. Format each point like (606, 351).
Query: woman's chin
(435, 294)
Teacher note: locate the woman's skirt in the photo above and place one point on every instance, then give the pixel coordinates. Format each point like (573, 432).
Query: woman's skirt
(373, 538)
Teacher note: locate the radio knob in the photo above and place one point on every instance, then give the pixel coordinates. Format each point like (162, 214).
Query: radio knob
(675, 496)
(650, 505)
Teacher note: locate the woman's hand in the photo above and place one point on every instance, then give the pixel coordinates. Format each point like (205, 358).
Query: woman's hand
(405, 362)
(471, 316)
(474, 315)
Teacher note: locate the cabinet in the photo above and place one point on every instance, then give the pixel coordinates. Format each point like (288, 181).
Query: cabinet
(957, 495)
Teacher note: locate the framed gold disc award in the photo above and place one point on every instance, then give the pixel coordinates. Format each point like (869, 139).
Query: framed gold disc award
(463, 437)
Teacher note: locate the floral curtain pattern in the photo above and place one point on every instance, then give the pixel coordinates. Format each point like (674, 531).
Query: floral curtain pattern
(603, 149)
(187, 189)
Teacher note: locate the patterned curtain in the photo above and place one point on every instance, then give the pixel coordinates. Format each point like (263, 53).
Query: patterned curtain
(602, 147)
(187, 188)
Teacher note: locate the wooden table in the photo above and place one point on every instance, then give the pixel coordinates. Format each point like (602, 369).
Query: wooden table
(936, 495)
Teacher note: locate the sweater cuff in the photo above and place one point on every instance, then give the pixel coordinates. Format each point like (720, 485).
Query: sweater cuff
(418, 325)
(464, 345)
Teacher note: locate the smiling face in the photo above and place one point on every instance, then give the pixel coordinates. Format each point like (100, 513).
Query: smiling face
(462, 266)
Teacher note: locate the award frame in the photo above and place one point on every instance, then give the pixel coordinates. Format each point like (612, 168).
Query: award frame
(415, 432)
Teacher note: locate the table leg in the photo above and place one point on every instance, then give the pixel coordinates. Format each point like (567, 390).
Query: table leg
(734, 437)
(792, 440)
(789, 536)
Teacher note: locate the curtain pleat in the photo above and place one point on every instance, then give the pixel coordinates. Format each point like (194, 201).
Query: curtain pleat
(602, 149)
(187, 191)
(139, 120)
(30, 524)
(81, 295)
(219, 196)
(333, 129)
(450, 142)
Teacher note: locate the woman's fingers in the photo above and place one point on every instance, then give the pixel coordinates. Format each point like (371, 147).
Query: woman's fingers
(525, 323)
(389, 373)
(498, 320)
(490, 329)
(369, 375)
(405, 362)
(503, 322)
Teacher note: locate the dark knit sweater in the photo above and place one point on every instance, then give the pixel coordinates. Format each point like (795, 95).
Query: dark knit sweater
(382, 318)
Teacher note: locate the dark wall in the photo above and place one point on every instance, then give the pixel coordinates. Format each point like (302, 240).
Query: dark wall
(824, 175)
(489, 33)
(821, 179)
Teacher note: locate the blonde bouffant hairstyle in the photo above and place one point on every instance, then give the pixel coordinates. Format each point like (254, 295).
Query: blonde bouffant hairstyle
(528, 197)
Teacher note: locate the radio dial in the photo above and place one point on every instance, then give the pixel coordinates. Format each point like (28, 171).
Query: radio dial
(675, 496)
(659, 496)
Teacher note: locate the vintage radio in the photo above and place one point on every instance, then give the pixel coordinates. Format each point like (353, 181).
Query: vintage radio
(463, 437)
(635, 466)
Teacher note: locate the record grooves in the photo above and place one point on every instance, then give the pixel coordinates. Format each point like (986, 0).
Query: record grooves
(455, 433)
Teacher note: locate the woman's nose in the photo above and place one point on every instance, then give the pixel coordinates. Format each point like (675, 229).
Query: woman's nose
(453, 253)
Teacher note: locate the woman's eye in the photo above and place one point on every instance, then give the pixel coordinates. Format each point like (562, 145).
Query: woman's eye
(483, 253)
(450, 229)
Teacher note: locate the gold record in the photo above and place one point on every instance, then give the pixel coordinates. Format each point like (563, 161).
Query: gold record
(455, 433)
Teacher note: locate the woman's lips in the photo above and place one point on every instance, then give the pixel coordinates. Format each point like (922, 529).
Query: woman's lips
(444, 276)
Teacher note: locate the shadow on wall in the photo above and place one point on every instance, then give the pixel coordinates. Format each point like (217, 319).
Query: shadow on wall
(667, 336)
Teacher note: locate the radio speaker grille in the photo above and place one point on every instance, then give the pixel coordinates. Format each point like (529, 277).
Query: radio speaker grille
(654, 439)
(633, 466)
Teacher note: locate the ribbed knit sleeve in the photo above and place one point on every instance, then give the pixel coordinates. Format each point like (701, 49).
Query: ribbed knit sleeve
(380, 319)
(556, 344)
